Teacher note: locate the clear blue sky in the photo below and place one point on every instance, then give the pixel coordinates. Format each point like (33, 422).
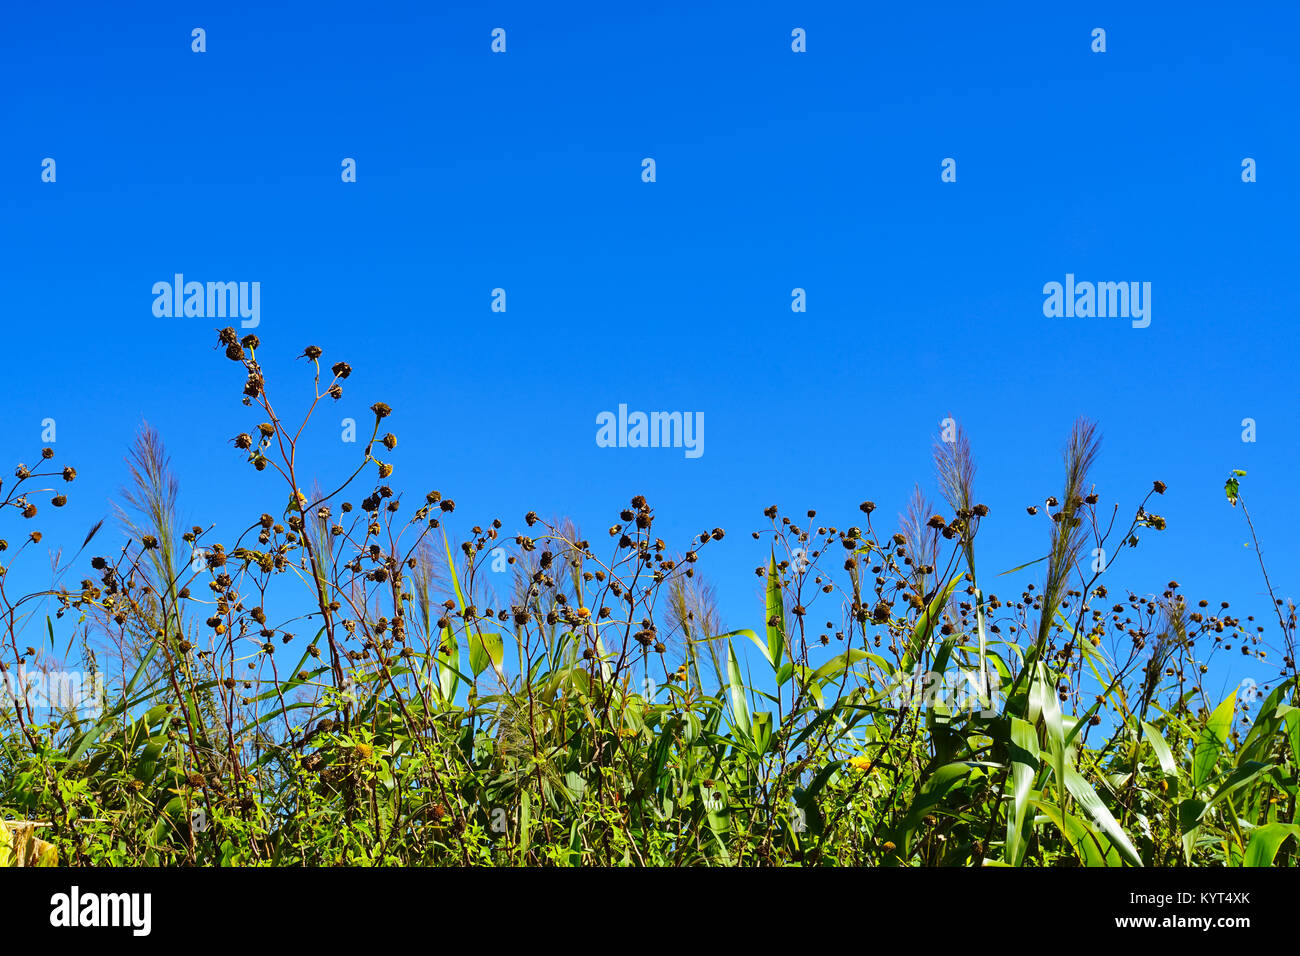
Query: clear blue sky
(775, 170)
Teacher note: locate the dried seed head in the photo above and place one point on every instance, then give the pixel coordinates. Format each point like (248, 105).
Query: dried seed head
(381, 410)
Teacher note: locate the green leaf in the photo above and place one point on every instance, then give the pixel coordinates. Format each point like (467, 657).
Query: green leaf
(754, 639)
(933, 792)
(1214, 736)
(1042, 699)
(448, 664)
(1024, 766)
(575, 845)
(836, 665)
(805, 798)
(525, 821)
(742, 632)
(1243, 775)
(1080, 835)
(1082, 791)
(736, 687)
(1292, 720)
(762, 731)
(1266, 841)
(485, 649)
(925, 624)
(107, 719)
(775, 614)
(1231, 487)
(1163, 753)
(1190, 812)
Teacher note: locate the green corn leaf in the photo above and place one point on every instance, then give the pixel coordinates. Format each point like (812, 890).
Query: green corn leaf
(925, 624)
(484, 650)
(1082, 791)
(1163, 753)
(1024, 766)
(1213, 738)
(775, 614)
(736, 687)
(1265, 841)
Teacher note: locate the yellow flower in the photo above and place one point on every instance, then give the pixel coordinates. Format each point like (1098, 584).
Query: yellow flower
(860, 763)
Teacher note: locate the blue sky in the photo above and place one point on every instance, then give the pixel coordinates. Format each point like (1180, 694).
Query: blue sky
(775, 171)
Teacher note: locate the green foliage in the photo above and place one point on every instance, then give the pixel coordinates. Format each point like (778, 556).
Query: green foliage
(570, 717)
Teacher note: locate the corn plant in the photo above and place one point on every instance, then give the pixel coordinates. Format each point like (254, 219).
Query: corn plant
(339, 681)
